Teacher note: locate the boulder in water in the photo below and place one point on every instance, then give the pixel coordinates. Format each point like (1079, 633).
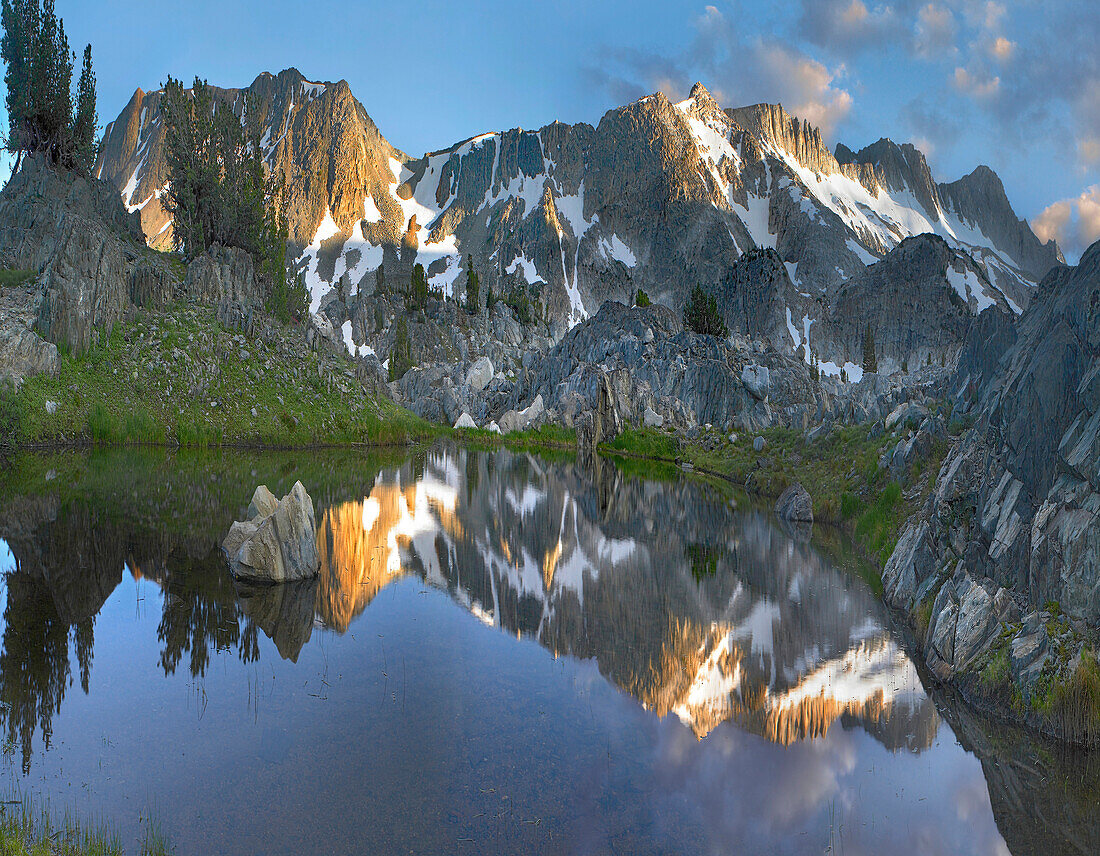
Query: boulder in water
(278, 543)
(795, 505)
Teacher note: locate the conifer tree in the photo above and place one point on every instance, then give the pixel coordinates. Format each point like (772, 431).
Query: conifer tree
(472, 287)
(39, 77)
(417, 295)
(219, 191)
(870, 360)
(15, 51)
(701, 314)
(86, 120)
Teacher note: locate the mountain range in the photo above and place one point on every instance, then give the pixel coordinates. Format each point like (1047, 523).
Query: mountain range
(658, 196)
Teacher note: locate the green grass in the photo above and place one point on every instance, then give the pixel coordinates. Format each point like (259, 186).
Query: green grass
(996, 675)
(9, 277)
(178, 378)
(30, 829)
(646, 443)
(878, 527)
(1070, 699)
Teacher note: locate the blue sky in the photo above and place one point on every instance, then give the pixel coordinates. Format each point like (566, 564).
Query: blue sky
(1015, 85)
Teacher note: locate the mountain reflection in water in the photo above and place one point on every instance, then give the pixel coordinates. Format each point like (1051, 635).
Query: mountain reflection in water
(715, 619)
(770, 635)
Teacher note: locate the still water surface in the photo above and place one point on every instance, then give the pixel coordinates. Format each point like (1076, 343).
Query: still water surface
(503, 654)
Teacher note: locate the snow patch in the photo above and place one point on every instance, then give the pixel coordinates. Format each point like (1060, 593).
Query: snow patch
(370, 210)
(315, 285)
(831, 369)
(353, 349)
(617, 250)
(967, 284)
(521, 262)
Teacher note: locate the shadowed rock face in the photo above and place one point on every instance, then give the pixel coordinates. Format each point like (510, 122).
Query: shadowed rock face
(88, 267)
(651, 362)
(658, 196)
(75, 235)
(1012, 523)
(980, 198)
(911, 300)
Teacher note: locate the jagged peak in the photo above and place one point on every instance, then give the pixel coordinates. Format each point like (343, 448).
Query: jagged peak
(878, 151)
(698, 89)
(702, 97)
(984, 179)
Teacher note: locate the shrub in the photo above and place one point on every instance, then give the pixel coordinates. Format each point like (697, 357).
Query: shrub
(1074, 704)
(10, 277)
(850, 505)
(520, 301)
(9, 414)
(641, 299)
(701, 314)
(416, 296)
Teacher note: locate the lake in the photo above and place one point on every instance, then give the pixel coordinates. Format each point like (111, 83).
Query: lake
(504, 653)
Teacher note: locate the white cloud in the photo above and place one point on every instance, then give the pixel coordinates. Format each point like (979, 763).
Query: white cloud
(934, 32)
(1074, 222)
(1002, 49)
(986, 16)
(848, 26)
(1087, 109)
(806, 85)
(744, 69)
(977, 84)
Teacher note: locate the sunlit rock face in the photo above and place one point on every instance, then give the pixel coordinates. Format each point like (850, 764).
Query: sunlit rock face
(694, 608)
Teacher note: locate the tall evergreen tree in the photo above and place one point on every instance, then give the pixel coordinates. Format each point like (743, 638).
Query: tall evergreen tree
(417, 295)
(39, 77)
(701, 314)
(219, 191)
(15, 51)
(472, 287)
(86, 119)
(870, 360)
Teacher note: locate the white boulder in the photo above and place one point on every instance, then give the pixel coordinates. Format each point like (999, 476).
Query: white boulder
(278, 541)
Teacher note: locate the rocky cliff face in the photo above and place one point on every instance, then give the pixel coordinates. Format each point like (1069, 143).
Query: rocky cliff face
(77, 238)
(1007, 552)
(979, 199)
(658, 196)
(87, 266)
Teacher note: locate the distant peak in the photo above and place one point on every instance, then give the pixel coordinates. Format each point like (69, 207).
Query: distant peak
(699, 91)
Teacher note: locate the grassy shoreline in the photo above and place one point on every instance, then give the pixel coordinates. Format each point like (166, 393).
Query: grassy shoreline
(29, 828)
